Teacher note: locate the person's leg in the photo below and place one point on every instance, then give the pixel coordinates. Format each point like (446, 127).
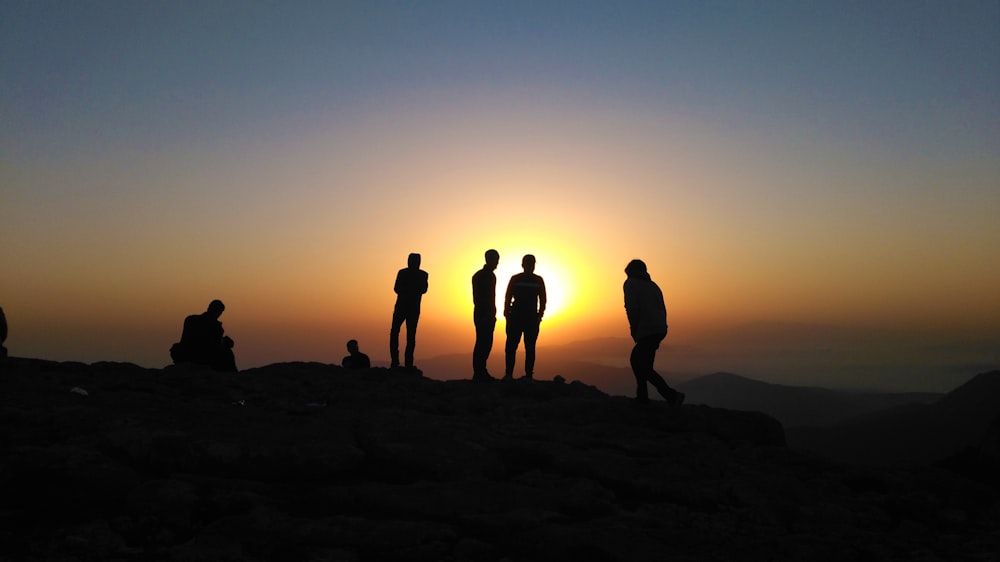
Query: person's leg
(411, 336)
(484, 344)
(513, 340)
(638, 360)
(661, 386)
(477, 349)
(223, 360)
(647, 358)
(179, 353)
(397, 321)
(227, 361)
(530, 338)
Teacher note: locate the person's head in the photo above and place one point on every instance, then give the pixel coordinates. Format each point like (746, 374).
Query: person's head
(352, 346)
(528, 263)
(637, 268)
(492, 258)
(215, 308)
(413, 260)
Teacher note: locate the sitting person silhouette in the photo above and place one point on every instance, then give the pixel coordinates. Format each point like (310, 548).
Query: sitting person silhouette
(356, 359)
(204, 342)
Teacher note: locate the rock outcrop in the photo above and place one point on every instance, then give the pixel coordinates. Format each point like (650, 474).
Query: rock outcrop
(304, 461)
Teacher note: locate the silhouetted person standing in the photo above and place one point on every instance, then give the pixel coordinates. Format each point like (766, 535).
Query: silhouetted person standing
(203, 341)
(3, 334)
(411, 284)
(356, 359)
(647, 320)
(484, 314)
(524, 307)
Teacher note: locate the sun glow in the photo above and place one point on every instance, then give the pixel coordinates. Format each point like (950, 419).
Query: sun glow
(558, 287)
(555, 265)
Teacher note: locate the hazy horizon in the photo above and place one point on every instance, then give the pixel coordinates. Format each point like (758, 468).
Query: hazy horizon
(824, 356)
(829, 167)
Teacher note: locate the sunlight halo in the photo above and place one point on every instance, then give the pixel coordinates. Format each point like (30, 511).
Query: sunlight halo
(557, 264)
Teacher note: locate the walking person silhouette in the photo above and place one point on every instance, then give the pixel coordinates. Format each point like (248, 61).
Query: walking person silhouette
(523, 307)
(410, 286)
(647, 320)
(484, 314)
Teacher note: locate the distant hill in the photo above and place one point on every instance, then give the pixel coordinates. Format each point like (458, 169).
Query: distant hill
(792, 405)
(913, 435)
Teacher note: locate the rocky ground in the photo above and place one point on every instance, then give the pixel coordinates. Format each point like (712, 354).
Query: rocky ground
(310, 462)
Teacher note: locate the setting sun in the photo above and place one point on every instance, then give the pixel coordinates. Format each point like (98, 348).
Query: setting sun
(562, 271)
(558, 288)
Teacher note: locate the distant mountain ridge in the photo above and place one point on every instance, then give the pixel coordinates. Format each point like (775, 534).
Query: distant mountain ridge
(792, 405)
(964, 418)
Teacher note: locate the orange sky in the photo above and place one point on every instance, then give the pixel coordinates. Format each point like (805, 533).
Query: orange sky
(302, 239)
(294, 242)
(295, 199)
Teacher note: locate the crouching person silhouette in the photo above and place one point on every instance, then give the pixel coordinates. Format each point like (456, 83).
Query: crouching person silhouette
(647, 320)
(204, 342)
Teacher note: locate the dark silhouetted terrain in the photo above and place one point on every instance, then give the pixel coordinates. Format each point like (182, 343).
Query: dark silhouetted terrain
(306, 461)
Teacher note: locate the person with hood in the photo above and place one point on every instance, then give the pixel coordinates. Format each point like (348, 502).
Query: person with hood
(647, 320)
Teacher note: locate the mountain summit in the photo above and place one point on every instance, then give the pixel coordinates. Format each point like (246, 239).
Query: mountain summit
(305, 461)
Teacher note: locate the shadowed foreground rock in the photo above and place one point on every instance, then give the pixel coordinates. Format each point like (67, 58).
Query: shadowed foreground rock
(312, 462)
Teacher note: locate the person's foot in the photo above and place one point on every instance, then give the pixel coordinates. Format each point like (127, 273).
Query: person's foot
(676, 399)
(484, 376)
(508, 377)
(528, 376)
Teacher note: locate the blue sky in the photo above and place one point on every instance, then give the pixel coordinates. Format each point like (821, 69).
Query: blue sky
(908, 75)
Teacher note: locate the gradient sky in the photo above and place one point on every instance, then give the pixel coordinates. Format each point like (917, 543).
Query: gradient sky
(808, 164)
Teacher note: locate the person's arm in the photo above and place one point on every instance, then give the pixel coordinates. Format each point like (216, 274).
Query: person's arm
(507, 297)
(631, 308)
(480, 289)
(542, 299)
